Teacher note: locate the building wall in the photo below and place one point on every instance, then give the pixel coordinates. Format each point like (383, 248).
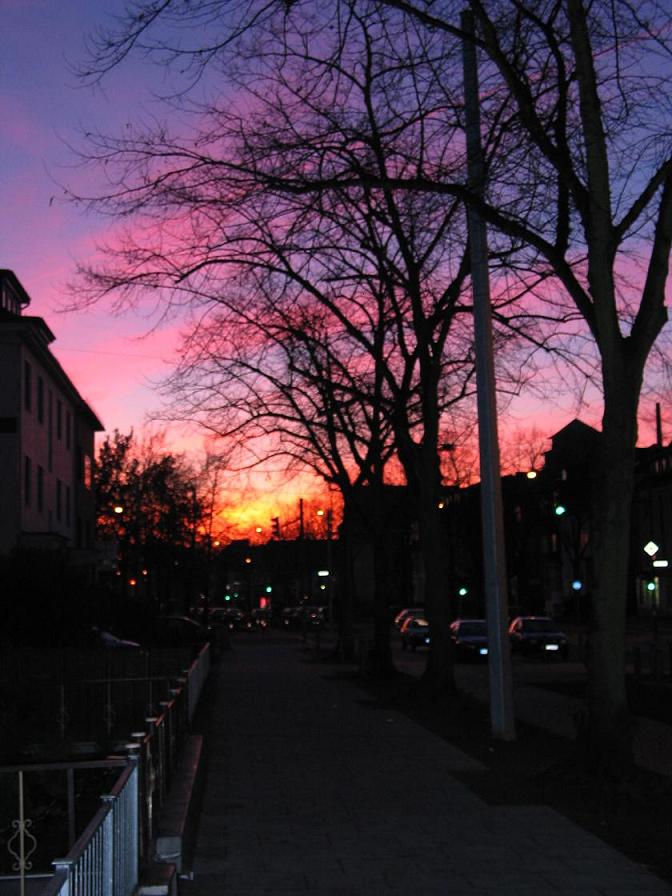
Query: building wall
(10, 469)
(46, 438)
(47, 453)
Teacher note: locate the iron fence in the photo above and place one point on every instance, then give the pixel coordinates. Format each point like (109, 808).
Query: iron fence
(103, 859)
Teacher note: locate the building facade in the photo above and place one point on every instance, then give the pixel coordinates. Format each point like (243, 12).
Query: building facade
(47, 434)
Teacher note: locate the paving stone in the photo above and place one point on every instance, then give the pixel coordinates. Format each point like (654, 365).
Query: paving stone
(313, 790)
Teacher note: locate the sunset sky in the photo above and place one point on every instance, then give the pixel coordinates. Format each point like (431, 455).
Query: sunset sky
(112, 360)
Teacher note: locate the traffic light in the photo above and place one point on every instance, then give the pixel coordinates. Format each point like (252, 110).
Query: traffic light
(276, 526)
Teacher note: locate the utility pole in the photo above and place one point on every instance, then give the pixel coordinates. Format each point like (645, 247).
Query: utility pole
(494, 556)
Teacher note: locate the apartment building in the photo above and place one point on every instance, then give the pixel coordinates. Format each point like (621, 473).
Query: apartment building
(47, 435)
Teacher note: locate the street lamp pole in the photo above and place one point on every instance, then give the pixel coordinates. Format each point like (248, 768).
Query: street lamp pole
(494, 558)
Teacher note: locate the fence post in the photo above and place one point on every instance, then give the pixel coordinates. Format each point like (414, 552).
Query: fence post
(108, 846)
(64, 867)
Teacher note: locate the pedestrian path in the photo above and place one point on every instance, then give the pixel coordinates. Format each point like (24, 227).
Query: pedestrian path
(313, 789)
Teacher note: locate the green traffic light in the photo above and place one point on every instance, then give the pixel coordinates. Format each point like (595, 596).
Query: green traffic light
(560, 509)
(463, 591)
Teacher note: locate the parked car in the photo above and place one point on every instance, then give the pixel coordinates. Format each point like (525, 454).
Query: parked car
(291, 617)
(537, 635)
(470, 638)
(260, 618)
(402, 615)
(313, 617)
(414, 632)
(108, 641)
(231, 618)
(178, 631)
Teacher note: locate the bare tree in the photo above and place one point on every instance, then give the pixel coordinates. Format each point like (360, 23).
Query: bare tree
(352, 122)
(386, 269)
(583, 178)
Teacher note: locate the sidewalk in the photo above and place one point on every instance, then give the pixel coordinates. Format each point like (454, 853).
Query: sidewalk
(313, 789)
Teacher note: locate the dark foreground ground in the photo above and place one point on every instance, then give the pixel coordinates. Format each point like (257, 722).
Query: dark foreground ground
(633, 815)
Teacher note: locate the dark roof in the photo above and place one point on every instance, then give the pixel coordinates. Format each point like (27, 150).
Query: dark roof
(575, 431)
(15, 283)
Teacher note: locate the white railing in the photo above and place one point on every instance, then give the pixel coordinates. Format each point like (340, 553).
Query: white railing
(106, 858)
(196, 678)
(104, 861)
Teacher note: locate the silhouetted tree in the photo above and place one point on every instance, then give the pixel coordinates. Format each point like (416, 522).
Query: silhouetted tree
(149, 507)
(386, 268)
(583, 178)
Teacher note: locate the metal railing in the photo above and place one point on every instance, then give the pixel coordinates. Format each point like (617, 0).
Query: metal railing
(104, 859)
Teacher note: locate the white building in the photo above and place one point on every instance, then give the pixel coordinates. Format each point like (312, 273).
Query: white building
(46, 438)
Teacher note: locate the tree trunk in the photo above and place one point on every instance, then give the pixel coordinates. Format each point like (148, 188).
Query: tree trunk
(609, 732)
(346, 649)
(439, 676)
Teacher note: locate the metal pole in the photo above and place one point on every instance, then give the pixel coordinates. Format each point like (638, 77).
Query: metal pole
(494, 557)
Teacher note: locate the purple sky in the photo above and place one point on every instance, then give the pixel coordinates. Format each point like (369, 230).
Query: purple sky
(41, 236)
(44, 108)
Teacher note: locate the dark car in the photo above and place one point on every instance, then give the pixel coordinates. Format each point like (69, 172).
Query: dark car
(414, 633)
(290, 617)
(109, 641)
(178, 631)
(260, 618)
(470, 638)
(230, 618)
(537, 635)
(403, 615)
(312, 617)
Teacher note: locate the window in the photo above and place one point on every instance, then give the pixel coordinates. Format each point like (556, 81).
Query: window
(27, 481)
(50, 431)
(59, 421)
(68, 429)
(40, 488)
(40, 399)
(68, 505)
(59, 500)
(87, 472)
(27, 386)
